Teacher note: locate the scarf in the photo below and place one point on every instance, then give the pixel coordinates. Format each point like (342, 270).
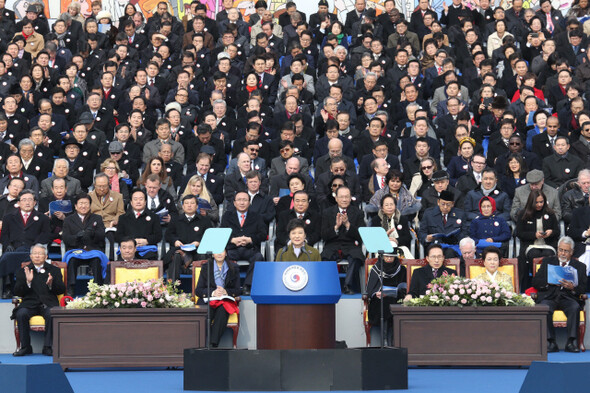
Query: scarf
(115, 183)
(250, 89)
(61, 39)
(27, 36)
(489, 199)
(390, 270)
(340, 37)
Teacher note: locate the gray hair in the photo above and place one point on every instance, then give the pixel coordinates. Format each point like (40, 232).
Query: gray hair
(220, 102)
(329, 98)
(382, 113)
(370, 74)
(61, 160)
(340, 47)
(65, 16)
(584, 172)
(467, 241)
(567, 240)
(99, 175)
(39, 245)
(26, 142)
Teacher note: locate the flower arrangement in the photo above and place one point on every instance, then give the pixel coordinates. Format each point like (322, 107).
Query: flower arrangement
(450, 290)
(135, 294)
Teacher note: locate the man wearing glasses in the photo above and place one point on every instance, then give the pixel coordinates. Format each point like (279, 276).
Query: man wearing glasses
(443, 224)
(472, 178)
(252, 149)
(564, 296)
(21, 230)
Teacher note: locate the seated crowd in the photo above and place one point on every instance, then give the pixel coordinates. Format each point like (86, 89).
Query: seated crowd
(294, 132)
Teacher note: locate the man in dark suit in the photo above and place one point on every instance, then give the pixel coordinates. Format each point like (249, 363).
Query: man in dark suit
(337, 167)
(581, 147)
(301, 210)
(214, 183)
(140, 224)
(443, 219)
(83, 230)
(355, 15)
(185, 229)
(158, 199)
(38, 284)
(543, 142)
(248, 232)
(564, 296)
(340, 225)
(424, 275)
(561, 166)
(26, 227)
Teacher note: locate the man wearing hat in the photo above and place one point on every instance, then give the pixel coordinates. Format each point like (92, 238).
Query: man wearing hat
(443, 224)
(39, 24)
(323, 15)
(490, 123)
(440, 183)
(80, 167)
(535, 181)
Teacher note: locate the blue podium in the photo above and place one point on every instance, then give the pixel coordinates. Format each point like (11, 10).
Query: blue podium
(295, 304)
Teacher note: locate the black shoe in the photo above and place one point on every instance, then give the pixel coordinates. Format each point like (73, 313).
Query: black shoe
(7, 294)
(246, 290)
(47, 351)
(347, 291)
(572, 347)
(552, 347)
(24, 351)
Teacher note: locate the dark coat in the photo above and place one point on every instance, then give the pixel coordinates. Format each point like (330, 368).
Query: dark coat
(231, 284)
(16, 234)
(552, 292)
(422, 276)
(147, 226)
(253, 227)
(88, 234)
(348, 241)
(432, 222)
(39, 293)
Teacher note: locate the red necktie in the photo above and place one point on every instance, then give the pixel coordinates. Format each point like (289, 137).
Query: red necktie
(382, 181)
(242, 219)
(26, 218)
(563, 264)
(444, 219)
(131, 42)
(137, 214)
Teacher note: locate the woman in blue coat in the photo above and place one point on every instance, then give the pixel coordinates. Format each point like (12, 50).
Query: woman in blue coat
(461, 163)
(489, 227)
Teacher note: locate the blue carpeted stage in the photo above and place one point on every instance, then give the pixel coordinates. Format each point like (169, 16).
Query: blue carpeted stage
(421, 380)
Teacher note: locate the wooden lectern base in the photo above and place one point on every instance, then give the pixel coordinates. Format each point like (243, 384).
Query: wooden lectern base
(296, 326)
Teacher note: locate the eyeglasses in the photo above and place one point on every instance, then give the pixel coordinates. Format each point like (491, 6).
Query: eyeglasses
(285, 149)
(111, 168)
(182, 95)
(336, 185)
(253, 150)
(514, 143)
(478, 163)
(436, 257)
(427, 167)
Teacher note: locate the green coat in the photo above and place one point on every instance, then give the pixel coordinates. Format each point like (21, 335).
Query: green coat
(307, 254)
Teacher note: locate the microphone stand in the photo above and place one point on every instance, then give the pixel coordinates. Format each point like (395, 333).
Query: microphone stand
(209, 263)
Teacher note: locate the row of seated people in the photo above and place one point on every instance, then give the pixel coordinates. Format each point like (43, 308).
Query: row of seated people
(39, 284)
(565, 295)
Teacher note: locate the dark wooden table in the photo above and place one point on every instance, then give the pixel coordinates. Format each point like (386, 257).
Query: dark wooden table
(471, 336)
(131, 337)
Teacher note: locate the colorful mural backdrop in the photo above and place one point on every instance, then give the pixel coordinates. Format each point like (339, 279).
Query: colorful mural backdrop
(179, 7)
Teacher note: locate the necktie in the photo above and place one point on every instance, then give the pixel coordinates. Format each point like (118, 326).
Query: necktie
(26, 217)
(344, 211)
(552, 140)
(153, 205)
(242, 219)
(549, 23)
(439, 69)
(444, 219)
(137, 214)
(131, 42)
(382, 181)
(563, 264)
(300, 216)
(151, 82)
(434, 272)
